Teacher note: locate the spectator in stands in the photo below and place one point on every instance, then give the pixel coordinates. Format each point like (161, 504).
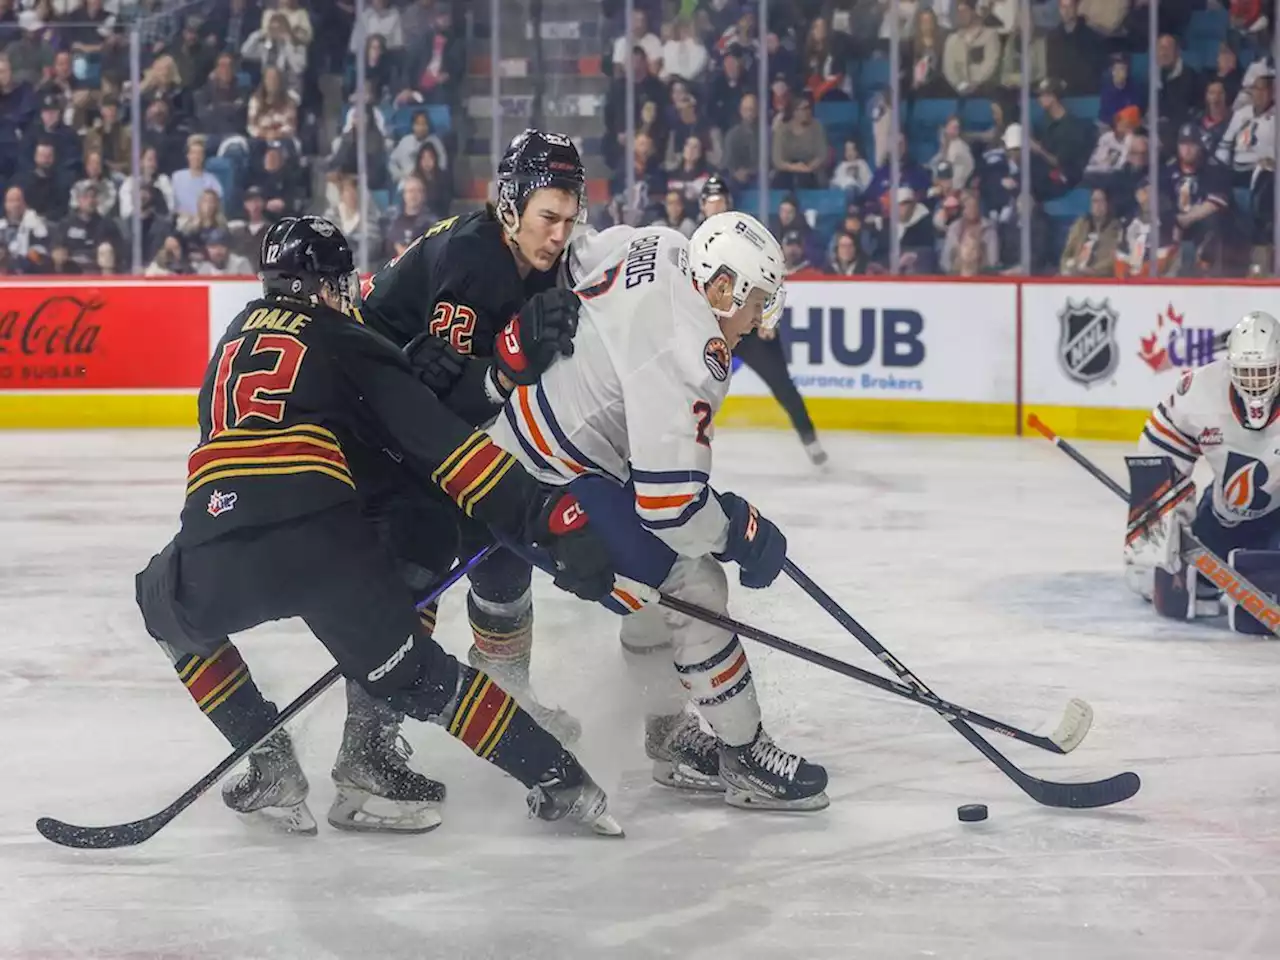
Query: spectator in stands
(675, 213)
(1215, 118)
(651, 121)
(1251, 135)
(1106, 17)
(93, 35)
(273, 113)
(740, 158)
(170, 259)
(800, 149)
(85, 228)
(156, 225)
(1198, 189)
(382, 18)
(209, 217)
(412, 218)
(436, 67)
(163, 81)
(97, 178)
(688, 122)
(848, 258)
(911, 174)
(1010, 76)
(1179, 84)
(382, 79)
(60, 262)
(648, 87)
(17, 110)
(1137, 167)
(417, 23)
(48, 126)
(32, 53)
(824, 63)
(953, 149)
(924, 56)
(191, 56)
(788, 218)
(727, 88)
(916, 236)
(1074, 51)
(971, 55)
(1227, 70)
(1134, 253)
(439, 191)
(346, 214)
(969, 226)
(852, 174)
(44, 185)
(230, 24)
(1063, 142)
(191, 182)
(794, 258)
(160, 184)
(1091, 245)
(683, 55)
(783, 61)
(688, 178)
(270, 176)
(405, 155)
(943, 198)
(1248, 23)
(1106, 166)
(161, 132)
(219, 261)
(23, 234)
(220, 103)
(1119, 90)
(743, 33)
(105, 260)
(297, 16)
(638, 36)
(246, 234)
(9, 29)
(274, 46)
(63, 82)
(110, 137)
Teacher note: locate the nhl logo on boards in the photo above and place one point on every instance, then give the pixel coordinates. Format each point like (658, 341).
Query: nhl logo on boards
(1087, 349)
(717, 358)
(220, 503)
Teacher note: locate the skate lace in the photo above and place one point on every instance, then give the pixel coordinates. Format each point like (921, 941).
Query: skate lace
(774, 759)
(694, 739)
(401, 750)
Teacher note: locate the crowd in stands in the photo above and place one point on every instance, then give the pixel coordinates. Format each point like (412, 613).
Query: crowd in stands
(246, 116)
(964, 145)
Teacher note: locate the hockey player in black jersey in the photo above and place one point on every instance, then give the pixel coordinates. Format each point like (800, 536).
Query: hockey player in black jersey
(762, 351)
(304, 413)
(460, 284)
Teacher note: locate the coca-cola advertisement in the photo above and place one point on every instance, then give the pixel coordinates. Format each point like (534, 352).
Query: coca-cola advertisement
(103, 337)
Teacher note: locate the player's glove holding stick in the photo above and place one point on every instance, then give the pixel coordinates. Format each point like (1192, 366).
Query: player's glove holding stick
(542, 330)
(755, 544)
(583, 564)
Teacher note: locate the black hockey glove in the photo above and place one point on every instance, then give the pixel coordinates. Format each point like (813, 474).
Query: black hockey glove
(583, 564)
(436, 364)
(755, 544)
(542, 331)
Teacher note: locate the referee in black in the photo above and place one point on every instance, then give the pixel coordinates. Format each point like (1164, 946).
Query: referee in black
(762, 350)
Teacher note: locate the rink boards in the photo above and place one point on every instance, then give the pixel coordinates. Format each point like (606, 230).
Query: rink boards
(928, 355)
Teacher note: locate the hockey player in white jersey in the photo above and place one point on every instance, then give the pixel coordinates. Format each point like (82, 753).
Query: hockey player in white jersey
(627, 422)
(1227, 414)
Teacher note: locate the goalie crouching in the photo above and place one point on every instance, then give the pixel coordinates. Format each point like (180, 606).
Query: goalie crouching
(1227, 413)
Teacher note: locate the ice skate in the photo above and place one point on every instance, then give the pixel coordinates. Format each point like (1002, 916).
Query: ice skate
(273, 790)
(566, 791)
(376, 789)
(513, 677)
(761, 775)
(683, 755)
(813, 449)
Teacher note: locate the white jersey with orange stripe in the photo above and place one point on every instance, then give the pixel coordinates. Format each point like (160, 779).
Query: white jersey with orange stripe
(1204, 417)
(635, 402)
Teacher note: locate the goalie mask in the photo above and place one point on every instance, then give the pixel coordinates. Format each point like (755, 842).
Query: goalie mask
(1253, 355)
(739, 245)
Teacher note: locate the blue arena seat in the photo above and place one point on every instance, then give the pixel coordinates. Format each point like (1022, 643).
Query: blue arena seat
(975, 114)
(1069, 207)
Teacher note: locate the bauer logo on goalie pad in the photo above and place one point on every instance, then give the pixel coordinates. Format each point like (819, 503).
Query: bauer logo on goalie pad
(1087, 350)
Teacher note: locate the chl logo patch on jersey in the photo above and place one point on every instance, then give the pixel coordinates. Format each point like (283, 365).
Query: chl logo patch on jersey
(220, 503)
(717, 358)
(1242, 483)
(1209, 437)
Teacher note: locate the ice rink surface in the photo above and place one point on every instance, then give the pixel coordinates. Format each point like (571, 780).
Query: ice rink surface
(990, 567)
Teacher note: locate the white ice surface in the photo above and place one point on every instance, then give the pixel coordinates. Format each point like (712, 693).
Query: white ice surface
(989, 567)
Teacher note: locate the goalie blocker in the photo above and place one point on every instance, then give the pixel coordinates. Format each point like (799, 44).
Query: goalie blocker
(1160, 512)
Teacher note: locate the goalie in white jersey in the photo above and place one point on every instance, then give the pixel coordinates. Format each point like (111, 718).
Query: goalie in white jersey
(1227, 414)
(627, 422)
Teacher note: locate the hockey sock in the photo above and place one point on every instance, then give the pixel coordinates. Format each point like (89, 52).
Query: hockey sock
(495, 728)
(647, 652)
(503, 631)
(427, 617)
(722, 687)
(223, 689)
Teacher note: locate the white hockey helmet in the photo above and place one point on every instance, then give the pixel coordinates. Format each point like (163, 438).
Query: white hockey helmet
(1253, 355)
(738, 244)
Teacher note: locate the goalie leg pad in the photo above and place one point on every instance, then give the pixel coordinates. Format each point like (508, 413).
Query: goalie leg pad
(1160, 503)
(1262, 568)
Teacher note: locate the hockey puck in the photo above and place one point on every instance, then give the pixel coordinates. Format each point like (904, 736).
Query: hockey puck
(972, 812)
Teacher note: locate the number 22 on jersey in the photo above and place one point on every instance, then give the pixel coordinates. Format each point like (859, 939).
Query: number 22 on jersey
(254, 393)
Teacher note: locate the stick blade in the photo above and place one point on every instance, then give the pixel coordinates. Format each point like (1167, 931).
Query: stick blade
(1074, 726)
(98, 838)
(1084, 796)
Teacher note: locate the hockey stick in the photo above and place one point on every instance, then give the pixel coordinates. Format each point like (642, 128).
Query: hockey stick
(1098, 793)
(1221, 574)
(1071, 730)
(129, 834)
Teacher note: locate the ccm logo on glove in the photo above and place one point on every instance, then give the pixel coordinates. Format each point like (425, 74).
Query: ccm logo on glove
(509, 346)
(568, 517)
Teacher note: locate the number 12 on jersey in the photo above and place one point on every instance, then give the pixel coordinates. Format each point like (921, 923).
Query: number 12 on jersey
(253, 393)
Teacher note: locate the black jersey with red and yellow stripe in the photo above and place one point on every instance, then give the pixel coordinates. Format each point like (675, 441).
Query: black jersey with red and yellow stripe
(458, 281)
(303, 408)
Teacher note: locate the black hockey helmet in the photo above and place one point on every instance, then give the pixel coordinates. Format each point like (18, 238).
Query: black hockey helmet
(715, 187)
(536, 159)
(300, 255)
